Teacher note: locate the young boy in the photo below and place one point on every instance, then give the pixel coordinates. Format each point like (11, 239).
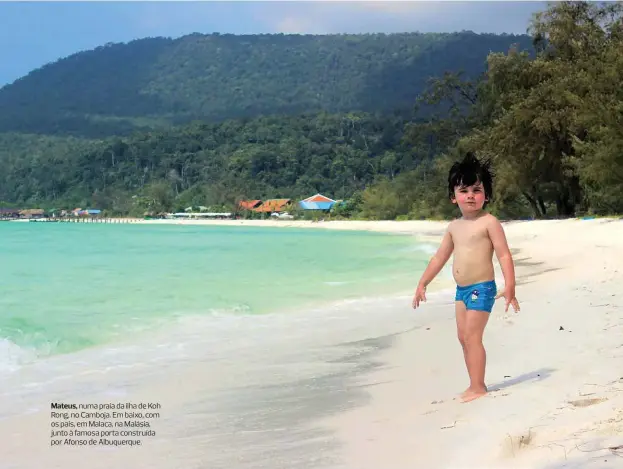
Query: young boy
(473, 238)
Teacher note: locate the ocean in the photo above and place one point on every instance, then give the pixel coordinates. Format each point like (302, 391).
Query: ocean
(70, 287)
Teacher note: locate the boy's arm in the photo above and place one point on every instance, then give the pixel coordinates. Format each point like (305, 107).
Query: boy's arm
(438, 260)
(503, 253)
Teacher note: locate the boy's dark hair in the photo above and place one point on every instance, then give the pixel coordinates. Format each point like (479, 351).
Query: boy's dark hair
(469, 172)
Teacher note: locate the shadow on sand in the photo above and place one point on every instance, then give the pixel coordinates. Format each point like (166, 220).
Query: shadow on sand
(537, 375)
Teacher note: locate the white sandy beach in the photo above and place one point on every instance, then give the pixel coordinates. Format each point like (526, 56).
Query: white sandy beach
(555, 370)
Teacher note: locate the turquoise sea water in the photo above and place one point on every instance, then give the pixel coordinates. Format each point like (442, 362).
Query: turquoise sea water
(67, 287)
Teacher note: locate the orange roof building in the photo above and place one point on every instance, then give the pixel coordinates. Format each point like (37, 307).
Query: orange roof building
(273, 205)
(318, 198)
(249, 204)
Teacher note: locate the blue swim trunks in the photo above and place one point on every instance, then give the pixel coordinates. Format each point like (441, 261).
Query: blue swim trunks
(479, 296)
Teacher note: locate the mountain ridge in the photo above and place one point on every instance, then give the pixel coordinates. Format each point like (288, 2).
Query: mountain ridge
(119, 88)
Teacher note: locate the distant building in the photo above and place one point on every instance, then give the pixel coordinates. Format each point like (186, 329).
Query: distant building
(273, 205)
(249, 204)
(32, 213)
(201, 208)
(9, 213)
(317, 202)
(86, 212)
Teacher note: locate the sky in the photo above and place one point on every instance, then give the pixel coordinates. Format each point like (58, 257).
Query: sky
(35, 33)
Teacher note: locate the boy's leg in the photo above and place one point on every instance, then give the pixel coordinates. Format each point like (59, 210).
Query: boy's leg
(461, 328)
(475, 355)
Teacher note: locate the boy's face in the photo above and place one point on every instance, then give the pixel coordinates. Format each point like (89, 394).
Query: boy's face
(470, 199)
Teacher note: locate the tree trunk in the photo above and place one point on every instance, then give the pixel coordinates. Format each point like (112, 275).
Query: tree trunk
(542, 205)
(564, 203)
(533, 203)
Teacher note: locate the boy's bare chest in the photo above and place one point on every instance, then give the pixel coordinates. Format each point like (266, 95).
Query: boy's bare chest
(470, 235)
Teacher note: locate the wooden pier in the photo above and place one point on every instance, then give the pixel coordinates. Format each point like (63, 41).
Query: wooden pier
(85, 220)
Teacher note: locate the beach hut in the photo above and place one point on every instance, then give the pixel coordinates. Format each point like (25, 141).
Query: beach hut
(317, 202)
(249, 204)
(32, 213)
(273, 205)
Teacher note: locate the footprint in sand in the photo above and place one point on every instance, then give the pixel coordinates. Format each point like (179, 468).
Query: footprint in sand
(587, 402)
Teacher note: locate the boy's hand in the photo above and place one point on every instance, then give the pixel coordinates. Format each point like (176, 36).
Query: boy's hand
(509, 296)
(420, 295)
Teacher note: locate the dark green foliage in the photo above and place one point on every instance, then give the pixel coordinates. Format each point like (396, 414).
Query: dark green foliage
(207, 164)
(156, 82)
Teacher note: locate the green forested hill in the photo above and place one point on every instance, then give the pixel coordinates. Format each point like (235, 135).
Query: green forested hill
(155, 82)
(206, 164)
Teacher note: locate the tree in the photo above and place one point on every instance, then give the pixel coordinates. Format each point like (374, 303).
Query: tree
(544, 106)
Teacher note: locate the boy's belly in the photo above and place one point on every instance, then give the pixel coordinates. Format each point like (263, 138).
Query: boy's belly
(471, 269)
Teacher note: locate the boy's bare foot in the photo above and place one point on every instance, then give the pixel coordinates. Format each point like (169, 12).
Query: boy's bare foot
(471, 395)
(466, 392)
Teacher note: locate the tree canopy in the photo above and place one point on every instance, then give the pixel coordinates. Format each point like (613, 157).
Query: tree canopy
(550, 123)
(207, 164)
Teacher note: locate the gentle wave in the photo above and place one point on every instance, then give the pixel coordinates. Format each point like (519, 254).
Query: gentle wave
(12, 356)
(216, 331)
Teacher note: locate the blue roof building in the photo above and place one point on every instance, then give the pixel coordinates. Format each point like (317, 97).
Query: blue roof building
(317, 202)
